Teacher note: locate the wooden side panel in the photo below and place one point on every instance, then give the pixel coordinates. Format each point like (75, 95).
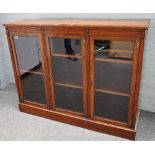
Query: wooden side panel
(137, 87)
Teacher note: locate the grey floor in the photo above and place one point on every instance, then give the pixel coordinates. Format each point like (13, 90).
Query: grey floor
(15, 125)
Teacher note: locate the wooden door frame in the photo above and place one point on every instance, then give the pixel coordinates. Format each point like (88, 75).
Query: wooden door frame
(16, 66)
(84, 72)
(132, 102)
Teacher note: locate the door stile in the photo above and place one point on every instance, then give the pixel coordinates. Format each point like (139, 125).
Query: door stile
(91, 80)
(50, 73)
(44, 51)
(138, 80)
(85, 74)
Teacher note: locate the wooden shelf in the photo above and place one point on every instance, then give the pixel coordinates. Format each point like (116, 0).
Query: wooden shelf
(113, 50)
(112, 92)
(97, 59)
(68, 85)
(114, 60)
(66, 56)
(97, 90)
(33, 72)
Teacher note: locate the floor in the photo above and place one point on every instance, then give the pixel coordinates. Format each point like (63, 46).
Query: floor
(15, 125)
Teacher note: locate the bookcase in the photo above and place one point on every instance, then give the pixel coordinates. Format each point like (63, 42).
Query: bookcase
(81, 72)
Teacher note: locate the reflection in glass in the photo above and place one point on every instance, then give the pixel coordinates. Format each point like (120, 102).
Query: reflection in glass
(30, 67)
(66, 46)
(113, 69)
(67, 72)
(28, 53)
(113, 49)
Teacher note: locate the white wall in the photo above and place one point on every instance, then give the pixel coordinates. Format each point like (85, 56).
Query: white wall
(147, 95)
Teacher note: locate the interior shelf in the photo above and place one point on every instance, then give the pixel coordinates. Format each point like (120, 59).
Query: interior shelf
(30, 71)
(68, 85)
(114, 50)
(112, 92)
(66, 55)
(114, 60)
(108, 91)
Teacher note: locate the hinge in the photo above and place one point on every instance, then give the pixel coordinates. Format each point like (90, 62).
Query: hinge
(137, 44)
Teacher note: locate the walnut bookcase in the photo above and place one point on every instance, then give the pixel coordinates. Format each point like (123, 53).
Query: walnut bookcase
(82, 72)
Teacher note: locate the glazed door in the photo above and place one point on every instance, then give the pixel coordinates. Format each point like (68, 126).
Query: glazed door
(67, 61)
(112, 71)
(30, 68)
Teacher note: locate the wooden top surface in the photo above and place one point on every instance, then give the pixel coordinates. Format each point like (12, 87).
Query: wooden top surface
(82, 23)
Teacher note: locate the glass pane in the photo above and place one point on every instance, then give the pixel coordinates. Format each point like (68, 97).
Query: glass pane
(67, 71)
(113, 69)
(113, 49)
(30, 67)
(69, 98)
(28, 53)
(67, 46)
(111, 106)
(33, 87)
(113, 76)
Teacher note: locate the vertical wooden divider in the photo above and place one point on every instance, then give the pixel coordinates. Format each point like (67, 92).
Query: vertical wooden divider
(46, 69)
(91, 81)
(50, 72)
(85, 75)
